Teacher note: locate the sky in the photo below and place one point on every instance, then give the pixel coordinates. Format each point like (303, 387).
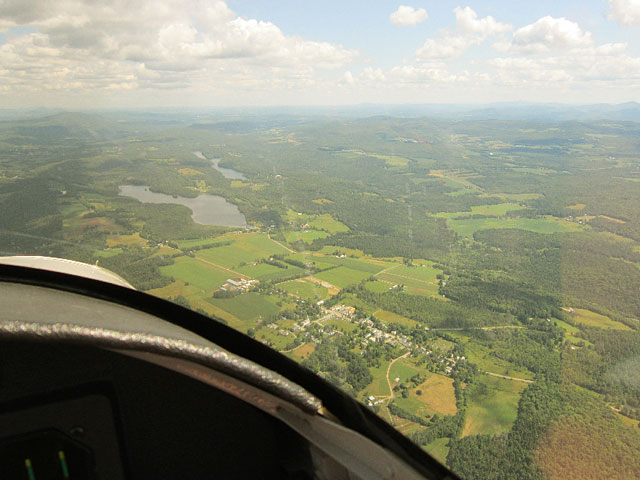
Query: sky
(197, 53)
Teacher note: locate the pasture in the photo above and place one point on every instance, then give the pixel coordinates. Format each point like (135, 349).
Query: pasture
(390, 317)
(377, 287)
(403, 370)
(468, 226)
(342, 276)
(481, 356)
(419, 279)
(305, 290)
(267, 273)
(126, 240)
(438, 449)
(306, 236)
(437, 394)
(593, 319)
(493, 407)
(205, 277)
(329, 224)
(246, 248)
(248, 306)
(303, 351)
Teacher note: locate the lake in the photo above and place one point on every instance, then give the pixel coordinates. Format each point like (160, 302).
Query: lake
(205, 209)
(226, 172)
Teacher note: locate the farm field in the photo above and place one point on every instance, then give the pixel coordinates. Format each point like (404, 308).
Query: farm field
(403, 370)
(362, 265)
(304, 289)
(246, 248)
(303, 351)
(379, 387)
(390, 317)
(327, 223)
(205, 277)
(126, 240)
(593, 319)
(307, 236)
(495, 210)
(248, 306)
(437, 395)
(467, 227)
(481, 356)
(265, 272)
(315, 261)
(421, 279)
(377, 287)
(494, 410)
(342, 276)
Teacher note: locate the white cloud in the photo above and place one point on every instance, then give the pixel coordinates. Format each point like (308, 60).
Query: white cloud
(626, 12)
(467, 22)
(589, 66)
(405, 15)
(470, 30)
(549, 34)
(83, 44)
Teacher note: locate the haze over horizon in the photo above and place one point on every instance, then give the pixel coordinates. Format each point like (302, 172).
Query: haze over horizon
(77, 55)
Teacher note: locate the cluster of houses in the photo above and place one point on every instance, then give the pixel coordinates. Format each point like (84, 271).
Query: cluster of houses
(234, 284)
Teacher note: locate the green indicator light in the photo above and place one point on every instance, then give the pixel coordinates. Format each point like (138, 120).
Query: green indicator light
(63, 464)
(29, 466)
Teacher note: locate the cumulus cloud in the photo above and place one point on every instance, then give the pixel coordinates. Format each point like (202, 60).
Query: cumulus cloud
(626, 12)
(470, 30)
(405, 15)
(119, 44)
(549, 34)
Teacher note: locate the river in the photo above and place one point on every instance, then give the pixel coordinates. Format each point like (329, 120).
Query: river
(226, 172)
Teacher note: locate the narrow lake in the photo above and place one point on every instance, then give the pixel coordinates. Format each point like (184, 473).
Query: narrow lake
(205, 209)
(226, 172)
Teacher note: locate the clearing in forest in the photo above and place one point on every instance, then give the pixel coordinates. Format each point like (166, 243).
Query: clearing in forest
(492, 405)
(437, 394)
(593, 319)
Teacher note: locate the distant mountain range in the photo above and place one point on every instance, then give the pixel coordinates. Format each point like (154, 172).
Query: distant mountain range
(207, 117)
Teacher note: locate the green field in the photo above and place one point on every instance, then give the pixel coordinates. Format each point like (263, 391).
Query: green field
(421, 279)
(467, 227)
(314, 261)
(403, 370)
(307, 236)
(186, 244)
(342, 276)
(205, 277)
(246, 248)
(342, 325)
(494, 410)
(593, 319)
(564, 325)
(481, 356)
(377, 287)
(438, 449)
(248, 306)
(327, 223)
(265, 272)
(390, 317)
(357, 264)
(306, 290)
(272, 338)
(379, 386)
(496, 210)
